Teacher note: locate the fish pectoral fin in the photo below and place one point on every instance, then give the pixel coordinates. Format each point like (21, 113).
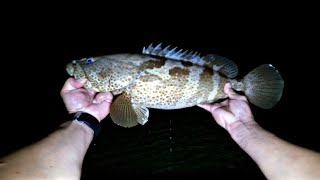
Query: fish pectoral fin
(126, 114)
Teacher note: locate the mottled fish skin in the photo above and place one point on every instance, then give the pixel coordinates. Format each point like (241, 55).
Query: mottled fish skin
(171, 79)
(171, 84)
(153, 82)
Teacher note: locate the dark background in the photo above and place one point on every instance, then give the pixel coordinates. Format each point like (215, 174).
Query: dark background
(34, 73)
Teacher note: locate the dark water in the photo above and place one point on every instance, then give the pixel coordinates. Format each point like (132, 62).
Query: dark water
(184, 142)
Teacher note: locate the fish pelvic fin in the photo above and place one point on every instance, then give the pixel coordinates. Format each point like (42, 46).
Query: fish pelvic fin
(212, 61)
(263, 86)
(126, 114)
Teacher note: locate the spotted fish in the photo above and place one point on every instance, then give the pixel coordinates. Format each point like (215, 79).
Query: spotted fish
(171, 78)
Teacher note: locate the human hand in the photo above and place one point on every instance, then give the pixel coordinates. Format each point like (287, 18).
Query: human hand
(233, 113)
(76, 98)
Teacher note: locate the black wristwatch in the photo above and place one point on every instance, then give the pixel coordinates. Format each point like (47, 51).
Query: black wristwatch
(89, 120)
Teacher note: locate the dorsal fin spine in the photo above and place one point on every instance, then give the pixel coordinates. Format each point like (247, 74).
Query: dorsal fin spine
(166, 50)
(149, 49)
(170, 53)
(158, 46)
(173, 53)
(178, 54)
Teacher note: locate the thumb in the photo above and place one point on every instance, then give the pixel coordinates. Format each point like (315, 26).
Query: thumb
(102, 104)
(232, 94)
(72, 84)
(229, 91)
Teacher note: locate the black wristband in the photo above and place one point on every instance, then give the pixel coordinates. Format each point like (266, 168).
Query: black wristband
(89, 120)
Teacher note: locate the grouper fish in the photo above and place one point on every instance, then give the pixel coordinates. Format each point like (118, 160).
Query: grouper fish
(171, 78)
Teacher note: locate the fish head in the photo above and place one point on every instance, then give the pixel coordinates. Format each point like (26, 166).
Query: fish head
(70, 67)
(94, 70)
(103, 73)
(80, 68)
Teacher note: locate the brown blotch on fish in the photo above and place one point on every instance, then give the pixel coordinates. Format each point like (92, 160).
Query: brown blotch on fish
(206, 82)
(150, 64)
(103, 74)
(150, 77)
(206, 72)
(178, 71)
(186, 63)
(221, 94)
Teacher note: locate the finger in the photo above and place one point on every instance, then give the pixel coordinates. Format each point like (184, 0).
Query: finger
(205, 106)
(223, 117)
(104, 101)
(232, 94)
(212, 107)
(103, 97)
(229, 91)
(72, 84)
(92, 93)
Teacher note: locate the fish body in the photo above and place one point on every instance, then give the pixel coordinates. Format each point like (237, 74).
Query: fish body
(171, 79)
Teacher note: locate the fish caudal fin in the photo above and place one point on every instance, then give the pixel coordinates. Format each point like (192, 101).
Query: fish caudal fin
(126, 114)
(263, 86)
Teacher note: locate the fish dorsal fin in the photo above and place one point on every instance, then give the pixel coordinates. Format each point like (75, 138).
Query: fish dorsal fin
(173, 53)
(221, 64)
(126, 114)
(212, 61)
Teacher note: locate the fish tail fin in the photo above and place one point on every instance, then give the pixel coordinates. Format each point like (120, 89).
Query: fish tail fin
(262, 86)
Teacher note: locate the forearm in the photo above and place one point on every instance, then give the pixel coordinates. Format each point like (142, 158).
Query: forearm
(276, 158)
(60, 155)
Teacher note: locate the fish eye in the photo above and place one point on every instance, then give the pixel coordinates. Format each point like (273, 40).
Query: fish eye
(89, 60)
(74, 62)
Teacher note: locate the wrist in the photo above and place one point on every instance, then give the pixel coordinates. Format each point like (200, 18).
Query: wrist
(88, 120)
(83, 126)
(242, 132)
(254, 140)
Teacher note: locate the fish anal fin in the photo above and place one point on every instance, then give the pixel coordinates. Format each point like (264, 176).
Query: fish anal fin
(126, 114)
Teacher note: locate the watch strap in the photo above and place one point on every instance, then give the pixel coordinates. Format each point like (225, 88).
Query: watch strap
(89, 120)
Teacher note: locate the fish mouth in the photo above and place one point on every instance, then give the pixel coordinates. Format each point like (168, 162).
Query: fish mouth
(70, 69)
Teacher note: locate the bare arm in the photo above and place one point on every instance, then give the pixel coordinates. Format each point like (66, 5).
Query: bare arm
(60, 155)
(276, 158)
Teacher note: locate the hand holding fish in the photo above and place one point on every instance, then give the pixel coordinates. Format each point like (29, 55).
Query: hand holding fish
(76, 98)
(274, 156)
(232, 113)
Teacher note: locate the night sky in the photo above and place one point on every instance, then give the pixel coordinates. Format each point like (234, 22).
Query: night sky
(185, 141)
